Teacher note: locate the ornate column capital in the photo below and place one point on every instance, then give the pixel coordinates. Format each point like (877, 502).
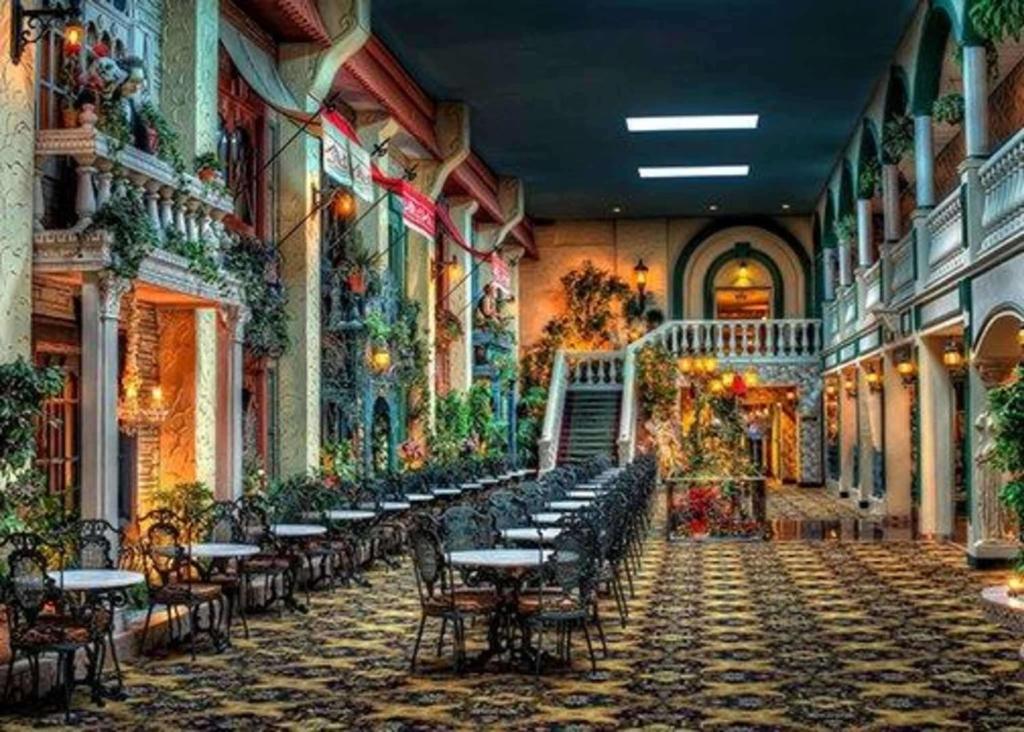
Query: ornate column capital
(235, 318)
(112, 289)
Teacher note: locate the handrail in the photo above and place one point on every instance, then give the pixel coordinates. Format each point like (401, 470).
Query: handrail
(547, 445)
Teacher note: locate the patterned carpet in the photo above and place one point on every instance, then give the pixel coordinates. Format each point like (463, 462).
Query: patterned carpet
(790, 502)
(723, 636)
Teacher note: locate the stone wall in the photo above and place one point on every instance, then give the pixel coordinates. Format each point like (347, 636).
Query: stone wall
(17, 123)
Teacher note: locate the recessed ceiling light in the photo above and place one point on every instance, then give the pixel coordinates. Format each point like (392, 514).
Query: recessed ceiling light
(616, 209)
(688, 123)
(785, 207)
(695, 171)
(713, 207)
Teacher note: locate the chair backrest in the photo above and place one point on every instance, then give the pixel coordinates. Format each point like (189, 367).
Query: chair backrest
(219, 524)
(507, 511)
(463, 528)
(253, 523)
(92, 542)
(163, 543)
(572, 567)
(533, 496)
(433, 575)
(29, 588)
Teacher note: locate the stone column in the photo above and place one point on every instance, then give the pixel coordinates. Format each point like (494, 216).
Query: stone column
(229, 465)
(936, 401)
(924, 161)
(828, 261)
(899, 463)
(845, 273)
(206, 411)
(459, 296)
(975, 69)
(421, 287)
(864, 233)
(17, 145)
(101, 308)
(848, 432)
(891, 201)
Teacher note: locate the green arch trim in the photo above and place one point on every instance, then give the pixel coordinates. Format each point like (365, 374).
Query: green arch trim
(743, 250)
(766, 223)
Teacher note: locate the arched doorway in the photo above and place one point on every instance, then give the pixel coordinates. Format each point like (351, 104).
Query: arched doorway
(743, 284)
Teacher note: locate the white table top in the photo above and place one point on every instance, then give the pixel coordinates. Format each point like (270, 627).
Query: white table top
(591, 486)
(568, 505)
(346, 514)
(213, 551)
(79, 580)
(446, 491)
(419, 497)
(471, 486)
(583, 495)
(395, 506)
(297, 531)
(488, 481)
(500, 558)
(547, 517)
(541, 535)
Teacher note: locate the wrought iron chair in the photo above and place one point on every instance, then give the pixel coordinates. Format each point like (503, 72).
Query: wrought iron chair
(274, 563)
(175, 580)
(565, 597)
(507, 511)
(463, 528)
(219, 525)
(439, 597)
(42, 620)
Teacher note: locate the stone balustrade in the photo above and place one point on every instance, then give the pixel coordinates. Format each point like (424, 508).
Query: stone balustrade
(182, 203)
(748, 340)
(595, 370)
(870, 287)
(946, 245)
(901, 269)
(1002, 183)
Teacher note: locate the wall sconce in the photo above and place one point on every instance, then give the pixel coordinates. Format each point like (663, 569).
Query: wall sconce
(641, 270)
(380, 359)
(39, 20)
(343, 205)
(873, 378)
(830, 388)
(850, 386)
(791, 395)
(953, 359)
(907, 371)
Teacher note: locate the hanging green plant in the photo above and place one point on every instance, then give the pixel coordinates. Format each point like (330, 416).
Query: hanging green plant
(949, 109)
(998, 20)
(1007, 405)
(898, 138)
(869, 178)
(207, 165)
(657, 381)
(167, 144)
(846, 228)
(124, 215)
(377, 327)
(200, 261)
(256, 265)
(23, 389)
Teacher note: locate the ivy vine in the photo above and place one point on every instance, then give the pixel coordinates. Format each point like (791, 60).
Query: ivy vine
(134, 236)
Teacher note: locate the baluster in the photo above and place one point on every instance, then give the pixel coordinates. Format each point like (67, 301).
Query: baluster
(745, 338)
(166, 208)
(179, 218)
(719, 338)
(153, 204)
(758, 327)
(85, 194)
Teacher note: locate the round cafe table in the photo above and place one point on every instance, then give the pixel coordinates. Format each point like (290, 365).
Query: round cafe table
(419, 497)
(471, 486)
(104, 585)
(297, 531)
(531, 534)
(547, 517)
(1004, 609)
(504, 559)
(446, 492)
(212, 550)
(583, 495)
(394, 506)
(349, 514)
(95, 580)
(568, 505)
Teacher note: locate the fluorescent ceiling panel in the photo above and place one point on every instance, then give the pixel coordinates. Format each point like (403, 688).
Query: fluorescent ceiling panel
(690, 123)
(695, 171)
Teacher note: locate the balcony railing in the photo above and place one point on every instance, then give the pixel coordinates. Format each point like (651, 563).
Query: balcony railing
(183, 204)
(594, 370)
(1002, 183)
(747, 340)
(870, 287)
(901, 269)
(946, 252)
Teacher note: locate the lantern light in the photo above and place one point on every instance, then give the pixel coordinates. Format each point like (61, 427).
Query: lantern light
(73, 35)
(343, 205)
(751, 377)
(953, 358)
(874, 380)
(685, 365)
(710, 364)
(641, 270)
(380, 359)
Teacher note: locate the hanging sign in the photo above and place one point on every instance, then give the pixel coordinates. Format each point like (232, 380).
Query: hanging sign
(417, 210)
(362, 176)
(501, 275)
(337, 164)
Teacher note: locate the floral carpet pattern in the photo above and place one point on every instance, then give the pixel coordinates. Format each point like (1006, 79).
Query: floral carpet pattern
(789, 502)
(724, 636)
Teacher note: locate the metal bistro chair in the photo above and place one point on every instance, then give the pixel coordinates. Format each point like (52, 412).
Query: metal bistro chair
(175, 580)
(507, 511)
(464, 528)
(439, 597)
(219, 525)
(274, 563)
(42, 621)
(565, 597)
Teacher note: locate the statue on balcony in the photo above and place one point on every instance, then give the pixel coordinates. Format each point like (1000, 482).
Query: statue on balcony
(118, 88)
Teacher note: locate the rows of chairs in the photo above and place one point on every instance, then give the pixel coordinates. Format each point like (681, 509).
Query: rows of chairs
(604, 541)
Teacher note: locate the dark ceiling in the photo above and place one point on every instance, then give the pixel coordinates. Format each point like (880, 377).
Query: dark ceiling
(550, 82)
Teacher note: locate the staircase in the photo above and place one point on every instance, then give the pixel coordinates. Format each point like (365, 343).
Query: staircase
(590, 425)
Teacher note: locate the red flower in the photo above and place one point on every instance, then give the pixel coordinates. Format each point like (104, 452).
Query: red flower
(100, 49)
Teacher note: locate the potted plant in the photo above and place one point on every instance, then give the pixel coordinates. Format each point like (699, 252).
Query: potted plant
(898, 137)
(378, 330)
(208, 166)
(357, 264)
(949, 109)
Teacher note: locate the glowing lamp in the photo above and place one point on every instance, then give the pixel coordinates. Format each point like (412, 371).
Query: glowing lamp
(685, 365)
(830, 389)
(874, 381)
(454, 269)
(641, 270)
(157, 396)
(343, 205)
(850, 385)
(953, 359)
(380, 359)
(751, 377)
(716, 386)
(710, 364)
(727, 376)
(73, 35)
(907, 371)
(791, 395)
(1015, 586)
